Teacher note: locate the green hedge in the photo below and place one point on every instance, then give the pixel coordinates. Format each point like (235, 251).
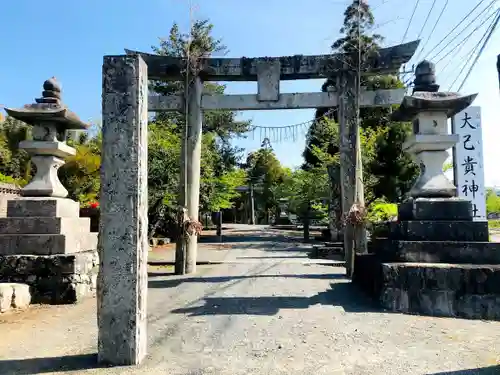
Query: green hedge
(382, 211)
(494, 224)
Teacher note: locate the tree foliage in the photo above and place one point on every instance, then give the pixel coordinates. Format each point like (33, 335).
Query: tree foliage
(388, 171)
(266, 173)
(14, 162)
(492, 202)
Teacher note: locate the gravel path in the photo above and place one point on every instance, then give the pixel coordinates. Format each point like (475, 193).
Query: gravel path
(268, 310)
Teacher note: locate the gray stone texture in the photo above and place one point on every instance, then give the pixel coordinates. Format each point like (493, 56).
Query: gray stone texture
(327, 252)
(47, 244)
(467, 291)
(386, 61)
(435, 209)
(453, 290)
(54, 279)
(123, 246)
(437, 251)
(45, 226)
(438, 230)
(42, 207)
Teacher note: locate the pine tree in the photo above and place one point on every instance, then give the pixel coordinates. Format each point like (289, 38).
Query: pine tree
(390, 173)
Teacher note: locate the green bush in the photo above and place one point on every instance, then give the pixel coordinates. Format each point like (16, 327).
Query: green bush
(11, 180)
(381, 211)
(492, 201)
(493, 224)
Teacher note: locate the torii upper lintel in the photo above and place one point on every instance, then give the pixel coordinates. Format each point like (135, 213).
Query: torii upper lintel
(386, 61)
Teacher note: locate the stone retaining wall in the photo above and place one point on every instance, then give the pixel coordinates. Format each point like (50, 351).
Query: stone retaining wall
(437, 289)
(54, 279)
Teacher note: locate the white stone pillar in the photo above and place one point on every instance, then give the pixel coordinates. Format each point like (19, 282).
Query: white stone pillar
(123, 245)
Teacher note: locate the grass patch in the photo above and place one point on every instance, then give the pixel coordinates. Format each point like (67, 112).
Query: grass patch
(494, 224)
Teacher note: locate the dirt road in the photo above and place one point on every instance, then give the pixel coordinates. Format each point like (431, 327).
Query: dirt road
(267, 309)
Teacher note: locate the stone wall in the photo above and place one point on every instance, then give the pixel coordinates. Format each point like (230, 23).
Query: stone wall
(437, 289)
(7, 192)
(55, 279)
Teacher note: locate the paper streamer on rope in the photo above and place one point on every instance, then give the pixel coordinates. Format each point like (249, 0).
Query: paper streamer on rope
(278, 134)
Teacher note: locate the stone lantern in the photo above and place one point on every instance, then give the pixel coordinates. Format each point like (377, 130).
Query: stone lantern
(43, 240)
(429, 110)
(50, 120)
(434, 260)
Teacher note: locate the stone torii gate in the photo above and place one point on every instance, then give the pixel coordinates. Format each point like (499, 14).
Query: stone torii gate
(122, 282)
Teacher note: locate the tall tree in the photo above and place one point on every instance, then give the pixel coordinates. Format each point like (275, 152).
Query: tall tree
(390, 173)
(197, 44)
(219, 173)
(266, 173)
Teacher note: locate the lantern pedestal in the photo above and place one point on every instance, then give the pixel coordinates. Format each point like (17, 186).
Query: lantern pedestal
(44, 243)
(434, 260)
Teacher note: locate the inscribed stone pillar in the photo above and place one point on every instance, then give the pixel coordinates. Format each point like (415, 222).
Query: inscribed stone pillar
(335, 205)
(123, 245)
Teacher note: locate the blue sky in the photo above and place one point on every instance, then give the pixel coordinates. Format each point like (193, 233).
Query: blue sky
(68, 39)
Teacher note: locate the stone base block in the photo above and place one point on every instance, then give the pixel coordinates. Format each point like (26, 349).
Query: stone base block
(14, 295)
(55, 279)
(42, 207)
(461, 252)
(439, 230)
(449, 209)
(44, 225)
(450, 290)
(327, 252)
(46, 244)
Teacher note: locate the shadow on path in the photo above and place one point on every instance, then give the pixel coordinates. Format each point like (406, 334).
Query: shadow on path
(493, 370)
(241, 238)
(49, 365)
(174, 282)
(341, 294)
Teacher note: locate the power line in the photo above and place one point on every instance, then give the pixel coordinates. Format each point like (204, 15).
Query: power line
(460, 23)
(453, 29)
(433, 29)
(469, 24)
(455, 54)
(409, 23)
(494, 26)
(466, 38)
(470, 55)
(426, 19)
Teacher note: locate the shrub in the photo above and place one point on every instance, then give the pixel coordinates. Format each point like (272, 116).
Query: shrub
(11, 180)
(493, 224)
(382, 211)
